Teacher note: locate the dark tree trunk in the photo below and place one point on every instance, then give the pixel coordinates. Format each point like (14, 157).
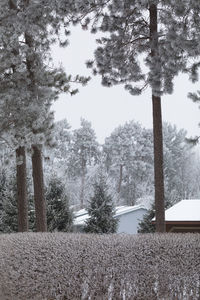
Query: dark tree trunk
(22, 203)
(38, 182)
(158, 165)
(157, 131)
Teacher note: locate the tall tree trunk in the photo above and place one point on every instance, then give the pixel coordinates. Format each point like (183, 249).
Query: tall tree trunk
(22, 203)
(120, 182)
(157, 130)
(158, 165)
(38, 182)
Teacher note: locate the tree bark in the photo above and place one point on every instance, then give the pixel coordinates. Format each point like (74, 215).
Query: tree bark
(22, 202)
(38, 182)
(157, 131)
(158, 165)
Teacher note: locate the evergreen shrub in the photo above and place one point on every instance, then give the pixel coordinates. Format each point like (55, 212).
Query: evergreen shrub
(80, 266)
(101, 211)
(59, 214)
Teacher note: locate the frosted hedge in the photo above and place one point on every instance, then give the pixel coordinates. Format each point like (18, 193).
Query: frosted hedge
(76, 266)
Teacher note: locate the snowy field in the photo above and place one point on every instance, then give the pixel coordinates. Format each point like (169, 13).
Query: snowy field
(77, 266)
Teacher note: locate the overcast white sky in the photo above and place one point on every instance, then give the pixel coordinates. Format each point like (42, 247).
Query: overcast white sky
(106, 108)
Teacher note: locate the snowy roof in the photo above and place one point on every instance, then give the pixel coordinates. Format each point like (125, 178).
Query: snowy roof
(121, 210)
(185, 210)
(81, 216)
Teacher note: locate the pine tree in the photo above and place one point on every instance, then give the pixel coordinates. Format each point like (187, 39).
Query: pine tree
(101, 211)
(84, 152)
(59, 215)
(159, 31)
(57, 153)
(62, 139)
(177, 164)
(9, 216)
(128, 158)
(146, 226)
(29, 84)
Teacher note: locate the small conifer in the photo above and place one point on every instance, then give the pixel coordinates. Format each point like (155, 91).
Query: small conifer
(146, 226)
(101, 211)
(59, 215)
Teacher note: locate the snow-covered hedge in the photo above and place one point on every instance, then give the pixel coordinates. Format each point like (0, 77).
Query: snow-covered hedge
(74, 266)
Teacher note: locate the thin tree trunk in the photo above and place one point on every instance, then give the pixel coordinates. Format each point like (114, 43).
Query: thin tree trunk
(82, 190)
(82, 194)
(157, 132)
(120, 182)
(22, 203)
(38, 182)
(128, 187)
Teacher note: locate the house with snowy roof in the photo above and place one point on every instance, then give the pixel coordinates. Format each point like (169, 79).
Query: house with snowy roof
(129, 218)
(184, 216)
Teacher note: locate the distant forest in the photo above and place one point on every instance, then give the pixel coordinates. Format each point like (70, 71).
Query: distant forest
(75, 158)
